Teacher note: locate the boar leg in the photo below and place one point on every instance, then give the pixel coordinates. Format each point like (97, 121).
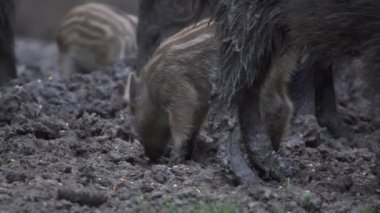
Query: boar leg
(185, 122)
(254, 140)
(7, 70)
(302, 92)
(326, 104)
(237, 163)
(313, 93)
(267, 113)
(7, 55)
(275, 105)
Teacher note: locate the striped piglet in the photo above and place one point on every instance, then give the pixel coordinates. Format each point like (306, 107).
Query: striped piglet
(93, 35)
(169, 97)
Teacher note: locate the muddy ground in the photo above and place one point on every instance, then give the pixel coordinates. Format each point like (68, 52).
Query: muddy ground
(65, 146)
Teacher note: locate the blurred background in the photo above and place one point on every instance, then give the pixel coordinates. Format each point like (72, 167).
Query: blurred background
(39, 18)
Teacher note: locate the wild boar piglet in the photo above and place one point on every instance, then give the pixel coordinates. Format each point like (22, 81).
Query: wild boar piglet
(93, 35)
(169, 97)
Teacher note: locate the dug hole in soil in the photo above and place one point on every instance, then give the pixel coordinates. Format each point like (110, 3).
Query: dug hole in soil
(66, 146)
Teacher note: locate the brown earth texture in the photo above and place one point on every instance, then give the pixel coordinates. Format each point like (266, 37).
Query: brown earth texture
(66, 146)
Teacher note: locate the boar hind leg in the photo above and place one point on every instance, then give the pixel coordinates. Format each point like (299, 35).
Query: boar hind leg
(326, 104)
(264, 114)
(185, 122)
(313, 93)
(254, 140)
(275, 105)
(302, 92)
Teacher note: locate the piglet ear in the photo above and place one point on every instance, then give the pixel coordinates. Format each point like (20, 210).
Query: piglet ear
(131, 88)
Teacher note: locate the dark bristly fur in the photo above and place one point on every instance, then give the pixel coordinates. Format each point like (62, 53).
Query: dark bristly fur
(252, 39)
(170, 97)
(7, 55)
(334, 31)
(159, 20)
(256, 34)
(251, 36)
(350, 29)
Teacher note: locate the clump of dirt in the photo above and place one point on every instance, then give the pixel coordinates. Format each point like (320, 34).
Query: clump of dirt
(66, 145)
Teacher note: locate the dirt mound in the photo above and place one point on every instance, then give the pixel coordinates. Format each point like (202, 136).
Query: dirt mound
(66, 146)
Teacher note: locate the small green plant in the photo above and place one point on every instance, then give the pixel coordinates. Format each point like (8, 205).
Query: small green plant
(142, 206)
(306, 199)
(288, 186)
(366, 209)
(172, 207)
(216, 208)
(280, 208)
